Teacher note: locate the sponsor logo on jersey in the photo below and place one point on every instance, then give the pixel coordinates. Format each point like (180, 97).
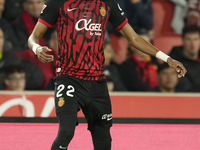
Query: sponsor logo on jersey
(94, 28)
(43, 8)
(61, 102)
(102, 11)
(107, 117)
(87, 25)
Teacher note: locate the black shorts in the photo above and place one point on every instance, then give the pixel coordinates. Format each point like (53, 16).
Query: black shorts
(92, 97)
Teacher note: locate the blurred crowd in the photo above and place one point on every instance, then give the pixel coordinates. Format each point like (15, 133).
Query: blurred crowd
(126, 68)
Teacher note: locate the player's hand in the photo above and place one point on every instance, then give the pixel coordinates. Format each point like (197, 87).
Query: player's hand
(180, 69)
(43, 56)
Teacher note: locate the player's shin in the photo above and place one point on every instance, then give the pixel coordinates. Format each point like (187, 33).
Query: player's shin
(101, 138)
(67, 123)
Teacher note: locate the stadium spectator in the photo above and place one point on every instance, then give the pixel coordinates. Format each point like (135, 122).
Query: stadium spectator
(26, 22)
(188, 54)
(111, 71)
(6, 57)
(15, 78)
(186, 12)
(193, 14)
(34, 74)
(140, 16)
(47, 69)
(24, 27)
(167, 79)
(13, 9)
(138, 73)
(9, 34)
(180, 13)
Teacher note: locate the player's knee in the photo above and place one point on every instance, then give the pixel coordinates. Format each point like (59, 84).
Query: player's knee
(101, 138)
(66, 133)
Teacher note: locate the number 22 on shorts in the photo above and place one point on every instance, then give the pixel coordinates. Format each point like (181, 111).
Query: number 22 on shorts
(69, 92)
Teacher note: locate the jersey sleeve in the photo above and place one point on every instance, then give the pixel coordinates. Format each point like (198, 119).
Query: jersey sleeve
(49, 13)
(117, 16)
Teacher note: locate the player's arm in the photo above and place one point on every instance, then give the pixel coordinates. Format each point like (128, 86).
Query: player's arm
(144, 46)
(47, 19)
(33, 43)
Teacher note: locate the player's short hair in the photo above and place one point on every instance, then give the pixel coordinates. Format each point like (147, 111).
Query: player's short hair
(190, 29)
(162, 67)
(13, 69)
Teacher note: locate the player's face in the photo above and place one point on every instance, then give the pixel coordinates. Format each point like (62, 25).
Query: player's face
(34, 7)
(2, 2)
(191, 43)
(16, 81)
(1, 40)
(168, 78)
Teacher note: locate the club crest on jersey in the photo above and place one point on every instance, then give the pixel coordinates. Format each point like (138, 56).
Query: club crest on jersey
(61, 102)
(43, 8)
(102, 11)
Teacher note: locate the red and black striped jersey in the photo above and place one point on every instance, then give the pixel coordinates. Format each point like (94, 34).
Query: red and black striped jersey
(81, 27)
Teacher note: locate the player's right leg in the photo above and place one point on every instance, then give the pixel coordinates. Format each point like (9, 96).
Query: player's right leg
(67, 125)
(66, 104)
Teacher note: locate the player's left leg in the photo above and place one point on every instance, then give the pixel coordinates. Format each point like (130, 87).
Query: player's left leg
(99, 116)
(101, 138)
